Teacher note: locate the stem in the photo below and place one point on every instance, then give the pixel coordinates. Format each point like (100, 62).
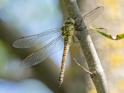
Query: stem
(88, 48)
(83, 68)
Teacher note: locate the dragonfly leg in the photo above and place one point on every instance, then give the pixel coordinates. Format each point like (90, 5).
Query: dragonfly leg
(82, 67)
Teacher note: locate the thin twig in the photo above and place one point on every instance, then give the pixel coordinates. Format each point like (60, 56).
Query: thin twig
(83, 68)
(88, 48)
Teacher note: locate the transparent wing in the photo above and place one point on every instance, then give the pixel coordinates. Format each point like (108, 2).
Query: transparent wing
(93, 14)
(30, 41)
(41, 54)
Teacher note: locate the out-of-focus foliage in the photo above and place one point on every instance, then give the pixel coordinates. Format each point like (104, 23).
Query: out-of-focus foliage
(26, 17)
(3, 56)
(9, 65)
(23, 86)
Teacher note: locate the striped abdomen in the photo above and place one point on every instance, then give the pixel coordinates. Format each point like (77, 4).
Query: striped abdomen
(64, 58)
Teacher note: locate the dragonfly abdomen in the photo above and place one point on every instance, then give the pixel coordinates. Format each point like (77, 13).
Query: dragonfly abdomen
(64, 58)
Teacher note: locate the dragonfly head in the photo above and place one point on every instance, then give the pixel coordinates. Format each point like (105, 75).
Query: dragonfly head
(70, 21)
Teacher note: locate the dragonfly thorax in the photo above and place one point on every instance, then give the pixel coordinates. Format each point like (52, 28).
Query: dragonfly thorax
(68, 30)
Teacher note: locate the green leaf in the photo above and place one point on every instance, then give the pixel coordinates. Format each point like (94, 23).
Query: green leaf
(109, 36)
(120, 36)
(99, 30)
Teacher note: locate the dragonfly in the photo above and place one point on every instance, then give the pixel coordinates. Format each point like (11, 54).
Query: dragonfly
(64, 34)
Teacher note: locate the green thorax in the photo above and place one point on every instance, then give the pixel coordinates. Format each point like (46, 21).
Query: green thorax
(68, 30)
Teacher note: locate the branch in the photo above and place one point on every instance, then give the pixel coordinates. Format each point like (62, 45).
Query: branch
(88, 48)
